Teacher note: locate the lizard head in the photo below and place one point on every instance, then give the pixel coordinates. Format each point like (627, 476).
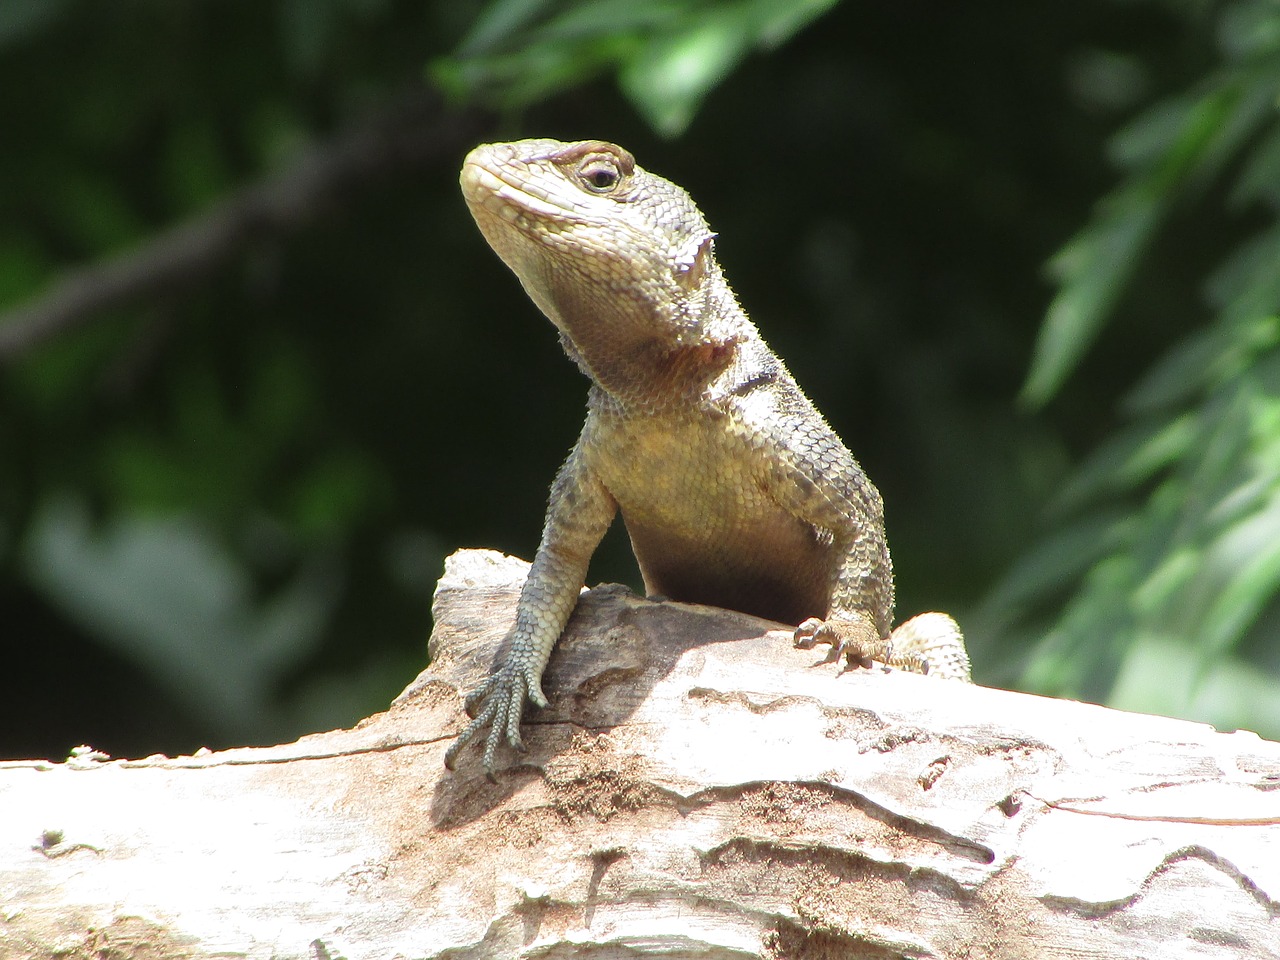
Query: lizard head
(618, 258)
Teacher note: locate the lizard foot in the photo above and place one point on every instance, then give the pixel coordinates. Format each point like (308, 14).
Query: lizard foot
(929, 643)
(854, 640)
(497, 705)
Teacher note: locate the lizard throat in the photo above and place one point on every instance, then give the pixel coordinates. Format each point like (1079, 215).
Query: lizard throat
(656, 375)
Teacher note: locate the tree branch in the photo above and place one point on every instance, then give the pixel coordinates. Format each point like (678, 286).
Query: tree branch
(414, 130)
(696, 787)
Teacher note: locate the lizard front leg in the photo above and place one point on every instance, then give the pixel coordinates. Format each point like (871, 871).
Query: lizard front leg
(862, 603)
(928, 643)
(579, 512)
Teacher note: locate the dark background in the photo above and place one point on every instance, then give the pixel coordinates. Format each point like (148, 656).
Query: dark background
(233, 460)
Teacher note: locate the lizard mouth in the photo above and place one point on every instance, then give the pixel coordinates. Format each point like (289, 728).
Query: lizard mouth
(489, 185)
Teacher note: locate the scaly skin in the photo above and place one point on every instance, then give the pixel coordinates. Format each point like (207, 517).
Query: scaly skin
(734, 490)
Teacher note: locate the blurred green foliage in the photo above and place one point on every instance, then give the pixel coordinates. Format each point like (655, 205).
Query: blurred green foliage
(1156, 588)
(668, 55)
(244, 417)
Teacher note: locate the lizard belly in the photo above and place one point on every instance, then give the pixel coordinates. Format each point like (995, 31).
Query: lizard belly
(704, 530)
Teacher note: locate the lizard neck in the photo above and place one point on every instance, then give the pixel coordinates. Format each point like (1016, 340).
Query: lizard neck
(654, 375)
(650, 354)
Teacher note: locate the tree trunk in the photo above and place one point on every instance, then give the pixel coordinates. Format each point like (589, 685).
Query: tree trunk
(697, 789)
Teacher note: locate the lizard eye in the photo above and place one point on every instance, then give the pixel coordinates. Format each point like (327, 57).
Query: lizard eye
(599, 175)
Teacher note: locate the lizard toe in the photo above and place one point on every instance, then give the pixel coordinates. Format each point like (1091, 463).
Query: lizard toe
(806, 636)
(474, 727)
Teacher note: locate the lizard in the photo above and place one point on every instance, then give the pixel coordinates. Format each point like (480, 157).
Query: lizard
(733, 489)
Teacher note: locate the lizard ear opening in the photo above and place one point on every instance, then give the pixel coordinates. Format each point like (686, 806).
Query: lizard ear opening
(690, 270)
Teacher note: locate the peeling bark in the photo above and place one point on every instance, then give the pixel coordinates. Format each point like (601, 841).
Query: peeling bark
(697, 789)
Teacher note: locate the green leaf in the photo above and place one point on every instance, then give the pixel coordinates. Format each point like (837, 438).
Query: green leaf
(1150, 139)
(779, 20)
(1179, 376)
(604, 18)
(1157, 676)
(1175, 147)
(1248, 556)
(1248, 285)
(668, 80)
(501, 22)
(1160, 589)
(1094, 269)
(1058, 559)
(1249, 30)
(1260, 178)
(1127, 460)
(163, 592)
(667, 55)
(1080, 654)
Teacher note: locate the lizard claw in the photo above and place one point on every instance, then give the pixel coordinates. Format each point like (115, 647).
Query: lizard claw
(853, 640)
(496, 706)
(813, 632)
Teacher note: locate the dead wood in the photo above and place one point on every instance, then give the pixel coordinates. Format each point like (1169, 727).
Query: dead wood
(697, 788)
